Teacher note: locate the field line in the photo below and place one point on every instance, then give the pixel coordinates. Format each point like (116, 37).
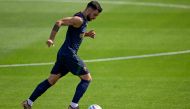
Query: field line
(169, 5)
(105, 59)
(134, 3)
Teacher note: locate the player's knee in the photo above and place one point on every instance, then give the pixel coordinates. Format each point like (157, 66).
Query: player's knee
(89, 79)
(52, 82)
(86, 77)
(53, 79)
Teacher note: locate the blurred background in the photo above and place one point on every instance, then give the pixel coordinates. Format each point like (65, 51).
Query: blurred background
(125, 28)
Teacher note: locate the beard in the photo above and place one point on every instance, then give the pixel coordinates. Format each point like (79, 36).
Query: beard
(88, 17)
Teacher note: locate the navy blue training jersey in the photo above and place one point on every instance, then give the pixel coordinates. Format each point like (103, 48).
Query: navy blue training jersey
(74, 38)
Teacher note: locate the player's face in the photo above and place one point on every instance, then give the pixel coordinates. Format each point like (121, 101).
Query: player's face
(91, 16)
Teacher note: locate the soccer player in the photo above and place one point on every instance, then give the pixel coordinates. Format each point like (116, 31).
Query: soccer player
(67, 59)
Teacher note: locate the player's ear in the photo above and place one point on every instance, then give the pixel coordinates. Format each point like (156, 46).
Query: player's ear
(77, 21)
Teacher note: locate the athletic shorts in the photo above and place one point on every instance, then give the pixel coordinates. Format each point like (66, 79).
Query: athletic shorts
(67, 64)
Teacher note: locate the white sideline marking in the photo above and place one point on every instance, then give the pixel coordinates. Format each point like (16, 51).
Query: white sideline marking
(166, 5)
(105, 59)
(148, 4)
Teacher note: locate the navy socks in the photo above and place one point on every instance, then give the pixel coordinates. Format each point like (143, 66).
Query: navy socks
(80, 90)
(40, 89)
(43, 86)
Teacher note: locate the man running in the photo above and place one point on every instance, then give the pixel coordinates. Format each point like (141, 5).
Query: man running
(67, 58)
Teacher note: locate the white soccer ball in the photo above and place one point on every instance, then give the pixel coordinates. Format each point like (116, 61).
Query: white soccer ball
(94, 106)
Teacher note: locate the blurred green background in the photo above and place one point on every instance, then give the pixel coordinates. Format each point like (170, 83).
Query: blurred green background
(125, 28)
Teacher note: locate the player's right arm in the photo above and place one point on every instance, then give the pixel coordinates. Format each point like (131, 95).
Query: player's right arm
(74, 21)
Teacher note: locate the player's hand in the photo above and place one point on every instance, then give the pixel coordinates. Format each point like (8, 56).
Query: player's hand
(91, 34)
(50, 42)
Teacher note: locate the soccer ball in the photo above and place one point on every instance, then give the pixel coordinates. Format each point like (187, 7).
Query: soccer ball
(94, 106)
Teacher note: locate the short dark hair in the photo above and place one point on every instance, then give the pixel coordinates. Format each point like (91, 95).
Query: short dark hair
(95, 5)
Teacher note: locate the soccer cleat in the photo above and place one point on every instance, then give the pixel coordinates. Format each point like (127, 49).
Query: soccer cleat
(26, 105)
(70, 107)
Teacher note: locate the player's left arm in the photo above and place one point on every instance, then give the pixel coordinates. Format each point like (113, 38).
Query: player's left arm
(90, 34)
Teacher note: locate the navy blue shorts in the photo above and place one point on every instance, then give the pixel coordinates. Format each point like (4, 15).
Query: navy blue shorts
(66, 64)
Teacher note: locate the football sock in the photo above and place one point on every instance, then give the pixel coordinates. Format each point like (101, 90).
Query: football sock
(80, 90)
(29, 102)
(40, 89)
(74, 105)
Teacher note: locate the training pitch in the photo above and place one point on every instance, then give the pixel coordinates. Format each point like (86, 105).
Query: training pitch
(130, 73)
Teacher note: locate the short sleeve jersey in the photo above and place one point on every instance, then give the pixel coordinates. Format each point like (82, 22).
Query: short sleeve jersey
(74, 38)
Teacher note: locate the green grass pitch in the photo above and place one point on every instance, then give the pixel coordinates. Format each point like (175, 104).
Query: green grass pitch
(122, 30)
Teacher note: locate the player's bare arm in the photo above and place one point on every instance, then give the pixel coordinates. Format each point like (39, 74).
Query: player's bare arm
(74, 21)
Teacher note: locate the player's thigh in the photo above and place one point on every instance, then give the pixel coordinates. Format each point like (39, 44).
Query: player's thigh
(76, 66)
(59, 68)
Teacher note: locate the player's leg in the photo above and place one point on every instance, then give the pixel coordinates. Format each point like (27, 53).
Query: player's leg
(81, 89)
(40, 89)
(57, 72)
(78, 68)
(44, 85)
